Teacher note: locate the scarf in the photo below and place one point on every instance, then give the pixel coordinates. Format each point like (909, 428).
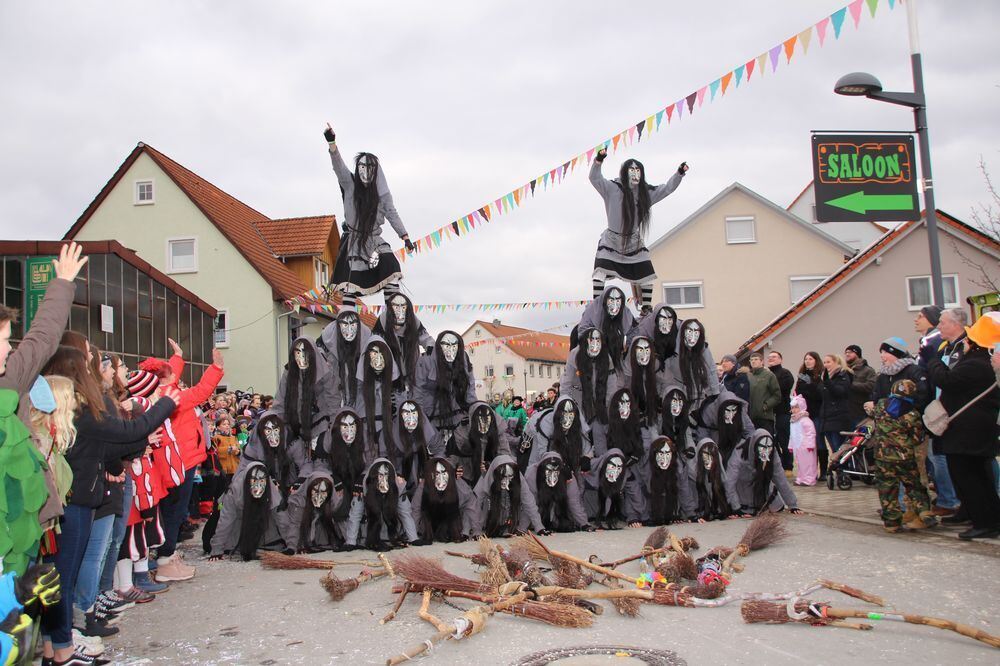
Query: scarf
(896, 367)
(896, 406)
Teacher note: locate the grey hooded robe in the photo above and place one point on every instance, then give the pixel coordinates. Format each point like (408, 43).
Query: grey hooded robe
(466, 504)
(687, 500)
(693, 464)
(296, 507)
(227, 530)
(573, 495)
(711, 413)
(424, 341)
(571, 385)
(631, 492)
(299, 466)
(646, 327)
(359, 406)
(356, 519)
(325, 395)
(673, 368)
(739, 477)
(328, 343)
(432, 440)
(460, 452)
(425, 391)
(594, 314)
(528, 517)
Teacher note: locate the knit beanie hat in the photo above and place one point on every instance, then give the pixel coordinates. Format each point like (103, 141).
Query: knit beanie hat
(896, 346)
(854, 348)
(731, 359)
(141, 383)
(931, 313)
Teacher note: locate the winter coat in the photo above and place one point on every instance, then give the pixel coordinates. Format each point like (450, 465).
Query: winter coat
(357, 519)
(785, 383)
(528, 514)
(862, 384)
(765, 394)
(739, 477)
(884, 382)
(808, 387)
(188, 428)
(738, 382)
(929, 346)
(229, 452)
(835, 414)
(111, 437)
(974, 431)
(510, 412)
(574, 502)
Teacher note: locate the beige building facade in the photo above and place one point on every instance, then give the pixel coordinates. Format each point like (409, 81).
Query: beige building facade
(738, 261)
(513, 358)
(858, 235)
(878, 294)
(215, 246)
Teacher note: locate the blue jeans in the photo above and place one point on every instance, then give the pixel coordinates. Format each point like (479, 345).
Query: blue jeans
(173, 509)
(938, 471)
(117, 536)
(93, 562)
(57, 620)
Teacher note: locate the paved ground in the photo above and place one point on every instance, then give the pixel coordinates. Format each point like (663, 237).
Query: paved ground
(239, 613)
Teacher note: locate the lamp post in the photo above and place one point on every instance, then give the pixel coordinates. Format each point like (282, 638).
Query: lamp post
(864, 84)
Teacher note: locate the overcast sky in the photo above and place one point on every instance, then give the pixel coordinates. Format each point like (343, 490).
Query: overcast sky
(463, 101)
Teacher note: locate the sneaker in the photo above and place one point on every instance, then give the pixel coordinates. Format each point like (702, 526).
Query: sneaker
(113, 602)
(76, 659)
(138, 595)
(106, 617)
(957, 519)
(942, 512)
(90, 646)
(145, 583)
(96, 628)
(171, 571)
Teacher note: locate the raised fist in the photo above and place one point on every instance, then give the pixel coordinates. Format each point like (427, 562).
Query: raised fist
(601, 154)
(328, 134)
(409, 245)
(683, 168)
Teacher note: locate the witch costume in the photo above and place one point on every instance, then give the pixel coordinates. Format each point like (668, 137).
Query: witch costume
(693, 364)
(604, 496)
(708, 478)
(417, 441)
(475, 443)
(307, 395)
(445, 385)
(442, 504)
(382, 516)
(406, 336)
(342, 342)
(725, 419)
(557, 494)
(589, 379)
(755, 479)
(376, 378)
(621, 251)
(503, 503)
(317, 514)
(248, 520)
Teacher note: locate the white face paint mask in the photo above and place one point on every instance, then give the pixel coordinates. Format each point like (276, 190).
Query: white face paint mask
(383, 479)
(398, 304)
(319, 494)
(676, 405)
(300, 355)
(594, 343)
(409, 415)
(375, 359)
(348, 328)
(642, 352)
(348, 429)
(729, 414)
(551, 474)
(765, 445)
(692, 334)
(707, 460)
(440, 477)
(664, 321)
(634, 174)
(663, 457)
(366, 170)
(613, 469)
(484, 419)
(567, 417)
(449, 347)
(506, 475)
(272, 433)
(624, 407)
(258, 482)
(614, 303)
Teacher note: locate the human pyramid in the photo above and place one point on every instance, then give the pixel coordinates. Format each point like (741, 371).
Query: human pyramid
(376, 439)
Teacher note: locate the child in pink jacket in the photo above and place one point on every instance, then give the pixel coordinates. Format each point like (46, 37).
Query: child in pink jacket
(802, 442)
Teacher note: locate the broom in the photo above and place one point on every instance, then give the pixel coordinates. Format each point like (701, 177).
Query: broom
(818, 613)
(495, 573)
(556, 613)
(653, 545)
(627, 606)
(766, 530)
(339, 588)
(425, 573)
(271, 559)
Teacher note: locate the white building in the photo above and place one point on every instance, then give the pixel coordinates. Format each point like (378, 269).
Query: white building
(510, 357)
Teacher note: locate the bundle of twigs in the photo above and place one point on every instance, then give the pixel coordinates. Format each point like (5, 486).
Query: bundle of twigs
(678, 567)
(816, 613)
(271, 559)
(521, 566)
(555, 613)
(571, 575)
(339, 588)
(495, 572)
(627, 606)
(534, 548)
(425, 573)
(766, 530)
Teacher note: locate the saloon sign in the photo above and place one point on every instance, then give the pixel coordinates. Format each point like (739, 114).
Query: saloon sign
(859, 177)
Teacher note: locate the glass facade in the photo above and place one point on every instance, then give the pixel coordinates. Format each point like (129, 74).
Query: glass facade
(145, 311)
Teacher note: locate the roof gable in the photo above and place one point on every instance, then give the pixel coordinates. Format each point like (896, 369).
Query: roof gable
(947, 223)
(234, 219)
(556, 349)
(297, 236)
(780, 212)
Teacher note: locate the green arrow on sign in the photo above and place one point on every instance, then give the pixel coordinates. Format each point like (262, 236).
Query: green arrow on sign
(859, 202)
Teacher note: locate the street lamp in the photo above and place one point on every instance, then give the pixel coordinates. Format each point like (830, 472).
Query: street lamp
(862, 84)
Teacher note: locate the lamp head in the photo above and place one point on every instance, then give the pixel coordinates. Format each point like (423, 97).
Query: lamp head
(857, 84)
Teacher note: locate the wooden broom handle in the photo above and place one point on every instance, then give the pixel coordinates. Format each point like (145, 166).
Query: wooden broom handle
(584, 563)
(937, 622)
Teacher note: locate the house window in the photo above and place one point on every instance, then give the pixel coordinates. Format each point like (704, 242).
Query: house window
(531, 369)
(683, 294)
(918, 291)
(548, 371)
(800, 287)
(144, 193)
(740, 230)
(221, 329)
(508, 370)
(182, 255)
(321, 273)
(478, 332)
(488, 371)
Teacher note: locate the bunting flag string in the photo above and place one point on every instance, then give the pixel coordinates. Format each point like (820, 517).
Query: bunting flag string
(516, 339)
(309, 301)
(505, 204)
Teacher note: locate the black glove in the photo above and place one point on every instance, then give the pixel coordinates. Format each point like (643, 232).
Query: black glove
(683, 168)
(329, 135)
(409, 245)
(544, 532)
(585, 464)
(601, 154)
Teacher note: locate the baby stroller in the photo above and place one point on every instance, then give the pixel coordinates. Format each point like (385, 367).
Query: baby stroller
(854, 459)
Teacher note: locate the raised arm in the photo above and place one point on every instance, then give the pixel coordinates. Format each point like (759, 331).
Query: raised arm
(116, 432)
(344, 175)
(661, 192)
(597, 179)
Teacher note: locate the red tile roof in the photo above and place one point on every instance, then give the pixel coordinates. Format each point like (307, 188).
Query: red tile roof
(297, 236)
(848, 269)
(556, 351)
